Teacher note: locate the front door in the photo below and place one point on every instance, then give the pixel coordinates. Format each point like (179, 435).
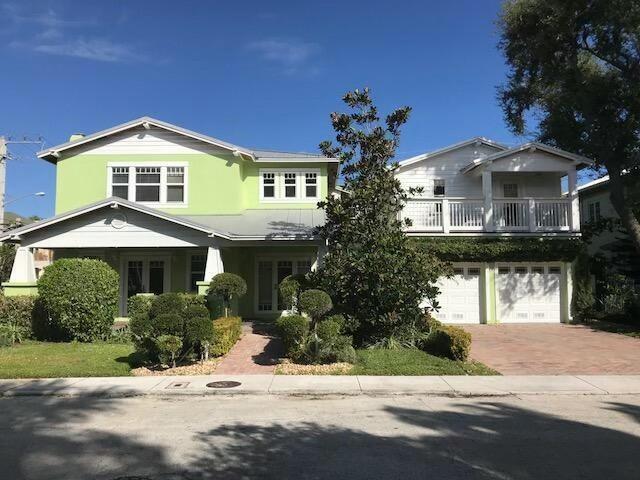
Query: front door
(269, 273)
(149, 274)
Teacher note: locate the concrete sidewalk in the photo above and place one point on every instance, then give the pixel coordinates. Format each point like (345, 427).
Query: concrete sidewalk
(325, 385)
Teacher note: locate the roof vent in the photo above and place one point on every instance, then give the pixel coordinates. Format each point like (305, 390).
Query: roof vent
(76, 136)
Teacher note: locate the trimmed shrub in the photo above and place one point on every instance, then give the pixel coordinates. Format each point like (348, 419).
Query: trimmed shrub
(138, 305)
(315, 303)
(195, 310)
(450, 342)
(294, 330)
(167, 324)
(290, 289)
(226, 332)
(199, 333)
(168, 346)
(19, 312)
(80, 296)
(167, 303)
(228, 286)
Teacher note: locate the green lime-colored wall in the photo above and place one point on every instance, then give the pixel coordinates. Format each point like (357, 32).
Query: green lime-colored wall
(17, 289)
(220, 184)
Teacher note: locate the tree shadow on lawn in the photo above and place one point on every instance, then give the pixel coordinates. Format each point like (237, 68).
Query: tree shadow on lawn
(493, 440)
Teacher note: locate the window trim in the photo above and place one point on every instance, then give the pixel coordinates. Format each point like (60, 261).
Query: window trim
(163, 203)
(279, 185)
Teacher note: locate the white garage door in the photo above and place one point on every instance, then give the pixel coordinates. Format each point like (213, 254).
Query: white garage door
(459, 297)
(528, 293)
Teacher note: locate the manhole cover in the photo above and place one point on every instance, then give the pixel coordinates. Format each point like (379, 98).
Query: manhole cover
(177, 385)
(223, 384)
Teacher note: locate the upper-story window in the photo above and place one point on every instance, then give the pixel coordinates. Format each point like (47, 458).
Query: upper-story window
(593, 215)
(279, 185)
(153, 184)
(510, 190)
(438, 187)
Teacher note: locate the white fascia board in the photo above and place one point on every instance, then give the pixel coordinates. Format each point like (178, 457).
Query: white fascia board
(450, 148)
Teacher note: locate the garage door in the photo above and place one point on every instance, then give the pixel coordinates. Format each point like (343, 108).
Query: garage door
(459, 297)
(528, 293)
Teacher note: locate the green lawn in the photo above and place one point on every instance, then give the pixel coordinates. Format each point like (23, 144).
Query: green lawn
(44, 359)
(407, 361)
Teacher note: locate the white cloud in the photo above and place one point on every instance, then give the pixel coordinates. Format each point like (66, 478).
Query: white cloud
(291, 56)
(90, 49)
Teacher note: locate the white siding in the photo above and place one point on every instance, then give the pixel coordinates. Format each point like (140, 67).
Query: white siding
(154, 141)
(537, 185)
(447, 166)
(527, 161)
(108, 228)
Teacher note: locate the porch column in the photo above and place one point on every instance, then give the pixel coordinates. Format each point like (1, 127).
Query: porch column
(214, 264)
(322, 251)
(574, 198)
(487, 194)
(24, 268)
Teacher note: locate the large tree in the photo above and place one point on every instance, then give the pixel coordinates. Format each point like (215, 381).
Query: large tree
(575, 69)
(372, 272)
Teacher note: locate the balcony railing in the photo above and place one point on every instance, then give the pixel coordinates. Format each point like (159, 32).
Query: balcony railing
(508, 215)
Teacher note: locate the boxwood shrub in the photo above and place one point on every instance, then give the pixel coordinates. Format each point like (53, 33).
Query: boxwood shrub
(81, 297)
(226, 332)
(294, 330)
(450, 342)
(19, 312)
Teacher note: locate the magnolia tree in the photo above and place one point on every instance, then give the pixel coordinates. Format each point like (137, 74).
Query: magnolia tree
(371, 271)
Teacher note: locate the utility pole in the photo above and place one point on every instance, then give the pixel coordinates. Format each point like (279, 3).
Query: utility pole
(4, 156)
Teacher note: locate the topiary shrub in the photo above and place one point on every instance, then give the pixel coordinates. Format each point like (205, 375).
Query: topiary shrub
(168, 324)
(138, 305)
(290, 289)
(195, 311)
(80, 296)
(315, 303)
(294, 330)
(228, 286)
(450, 342)
(168, 346)
(18, 313)
(199, 333)
(167, 303)
(226, 332)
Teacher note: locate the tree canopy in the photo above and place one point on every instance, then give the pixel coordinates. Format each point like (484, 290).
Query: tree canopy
(574, 69)
(373, 273)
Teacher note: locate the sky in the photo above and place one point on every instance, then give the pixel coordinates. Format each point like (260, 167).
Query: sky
(254, 73)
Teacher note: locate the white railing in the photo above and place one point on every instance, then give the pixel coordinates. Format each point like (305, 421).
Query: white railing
(552, 214)
(511, 215)
(468, 215)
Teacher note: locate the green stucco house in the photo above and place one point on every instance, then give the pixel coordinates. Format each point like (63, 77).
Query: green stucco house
(169, 208)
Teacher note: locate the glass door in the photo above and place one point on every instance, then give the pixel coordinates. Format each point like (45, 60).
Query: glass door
(135, 275)
(269, 273)
(144, 275)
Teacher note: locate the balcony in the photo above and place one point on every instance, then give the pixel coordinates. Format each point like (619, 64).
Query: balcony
(526, 215)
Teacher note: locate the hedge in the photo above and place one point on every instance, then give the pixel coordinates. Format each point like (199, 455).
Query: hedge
(19, 311)
(226, 332)
(529, 249)
(80, 296)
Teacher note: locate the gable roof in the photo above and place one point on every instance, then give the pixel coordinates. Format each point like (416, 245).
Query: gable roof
(450, 148)
(267, 224)
(53, 153)
(527, 146)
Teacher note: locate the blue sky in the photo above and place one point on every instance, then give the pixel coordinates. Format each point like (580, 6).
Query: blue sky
(255, 73)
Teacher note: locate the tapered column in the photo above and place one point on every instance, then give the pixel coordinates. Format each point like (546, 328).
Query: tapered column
(574, 198)
(24, 268)
(487, 194)
(214, 264)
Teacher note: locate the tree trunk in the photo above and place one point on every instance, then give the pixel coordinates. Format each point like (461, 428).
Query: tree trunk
(627, 217)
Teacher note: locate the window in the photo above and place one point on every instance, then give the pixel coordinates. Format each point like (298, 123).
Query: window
(311, 185)
(503, 270)
(120, 182)
(198, 263)
(510, 190)
(165, 184)
(285, 184)
(554, 270)
(175, 184)
(458, 271)
(290, 185)
(537, 270)
(438, 188)
(520, 270)
(148, 184)
(594, 212)
(269, 185)
(473, 271)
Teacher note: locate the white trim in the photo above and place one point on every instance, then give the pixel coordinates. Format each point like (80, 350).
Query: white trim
(132, 166)
(279, 185)
(450, 148)
(274, 258)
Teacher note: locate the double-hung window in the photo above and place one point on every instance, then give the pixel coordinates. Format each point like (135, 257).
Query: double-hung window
(164, 185)
(289, 185)
(594, 211)
(438, 187)
(198, 265)
(120, 182)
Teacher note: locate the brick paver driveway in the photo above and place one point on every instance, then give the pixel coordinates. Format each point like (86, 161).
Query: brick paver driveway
(554, 350)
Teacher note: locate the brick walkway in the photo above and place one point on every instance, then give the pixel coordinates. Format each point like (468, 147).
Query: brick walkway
(257, 352)
(556, 349)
